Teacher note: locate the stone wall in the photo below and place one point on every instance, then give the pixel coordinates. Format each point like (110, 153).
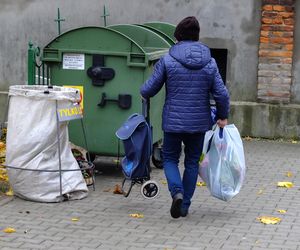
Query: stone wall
(276, 51)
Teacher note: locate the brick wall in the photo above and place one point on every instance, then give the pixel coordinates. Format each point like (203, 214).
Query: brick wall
(276, 51)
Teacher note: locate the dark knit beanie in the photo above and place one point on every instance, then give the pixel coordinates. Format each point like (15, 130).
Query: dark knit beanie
(187, 29)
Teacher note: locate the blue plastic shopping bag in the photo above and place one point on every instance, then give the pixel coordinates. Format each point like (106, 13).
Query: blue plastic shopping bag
(223, 166)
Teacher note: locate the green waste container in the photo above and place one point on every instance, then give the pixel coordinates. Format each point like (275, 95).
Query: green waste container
(109, 65)
(164, 29)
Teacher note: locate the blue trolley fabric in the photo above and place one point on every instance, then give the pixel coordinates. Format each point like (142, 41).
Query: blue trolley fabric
(137, 140)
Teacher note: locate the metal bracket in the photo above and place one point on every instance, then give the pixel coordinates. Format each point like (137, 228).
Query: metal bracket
(123, 101)
(98, 73)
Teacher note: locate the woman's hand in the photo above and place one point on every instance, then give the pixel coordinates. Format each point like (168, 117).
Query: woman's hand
(222, 123)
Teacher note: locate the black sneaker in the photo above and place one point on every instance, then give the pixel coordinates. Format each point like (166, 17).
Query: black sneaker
(184, 212)
(176, 205)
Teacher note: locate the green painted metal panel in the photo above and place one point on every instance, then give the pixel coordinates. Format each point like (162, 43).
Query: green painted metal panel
(159, 32)
(149, 40)
(93, 40)
(102, 122)
(132, 65)
(167, 28)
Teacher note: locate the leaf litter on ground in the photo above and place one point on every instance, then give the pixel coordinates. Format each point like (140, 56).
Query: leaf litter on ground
(268, 219)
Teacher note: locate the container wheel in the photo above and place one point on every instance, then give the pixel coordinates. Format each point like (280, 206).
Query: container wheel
(150, 189)
(157, 156)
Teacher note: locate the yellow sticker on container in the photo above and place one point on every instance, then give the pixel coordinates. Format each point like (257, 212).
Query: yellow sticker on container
(80, 88)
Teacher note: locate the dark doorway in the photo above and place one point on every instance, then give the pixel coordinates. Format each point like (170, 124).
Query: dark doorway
(220, 55)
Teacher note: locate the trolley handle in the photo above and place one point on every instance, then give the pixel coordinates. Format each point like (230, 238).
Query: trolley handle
(146, 109)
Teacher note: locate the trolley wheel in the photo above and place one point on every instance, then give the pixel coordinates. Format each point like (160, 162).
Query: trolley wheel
(150, 189)
(126, 187)
(157, 156)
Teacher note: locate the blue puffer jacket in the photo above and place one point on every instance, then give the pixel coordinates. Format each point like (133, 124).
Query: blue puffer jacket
(190, 75)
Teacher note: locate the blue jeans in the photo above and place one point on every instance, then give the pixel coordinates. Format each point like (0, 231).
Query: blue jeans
(172, 146)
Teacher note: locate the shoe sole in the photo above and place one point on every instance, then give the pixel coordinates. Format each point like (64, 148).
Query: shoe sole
(175, 209)
(183, 214)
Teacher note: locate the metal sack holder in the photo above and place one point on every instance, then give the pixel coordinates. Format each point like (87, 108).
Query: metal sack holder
(83, 165)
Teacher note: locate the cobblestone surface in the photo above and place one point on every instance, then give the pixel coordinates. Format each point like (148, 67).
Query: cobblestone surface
(104, 221)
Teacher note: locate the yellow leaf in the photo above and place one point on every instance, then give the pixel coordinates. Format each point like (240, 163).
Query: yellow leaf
(2, 150)
(201, 157)
(289, 174)
(3, 177)
(136, 215)
(10, 192)
(269, 220)
(118, 189)
(281, 211)
(9, 230)
(286, 184)
(75, 219)
(248, 138)
(294, 141)
(201, 184)
(164, 182)
(260, 191)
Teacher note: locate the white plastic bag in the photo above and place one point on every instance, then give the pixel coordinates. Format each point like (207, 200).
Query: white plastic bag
(223, 167)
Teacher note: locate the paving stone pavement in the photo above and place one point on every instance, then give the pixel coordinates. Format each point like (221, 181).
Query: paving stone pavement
(104, 221)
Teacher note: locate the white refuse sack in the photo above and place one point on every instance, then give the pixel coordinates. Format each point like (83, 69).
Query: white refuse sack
(32, 143)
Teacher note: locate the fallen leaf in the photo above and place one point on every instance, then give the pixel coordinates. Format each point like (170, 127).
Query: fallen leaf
(289, 174)
(10, 192)
(3, 175)
(285, 184)
(75, 219)
(281, 211)
(9, 230)
(260, 191)
(164, 182)
(2, 149)
(117, 189)
(248, 138)
(269, 220)
(201, 157)
(201, 184)
(294, 141)
(136, 215)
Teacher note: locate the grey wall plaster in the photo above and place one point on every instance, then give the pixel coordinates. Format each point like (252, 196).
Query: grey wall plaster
(224, 24)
